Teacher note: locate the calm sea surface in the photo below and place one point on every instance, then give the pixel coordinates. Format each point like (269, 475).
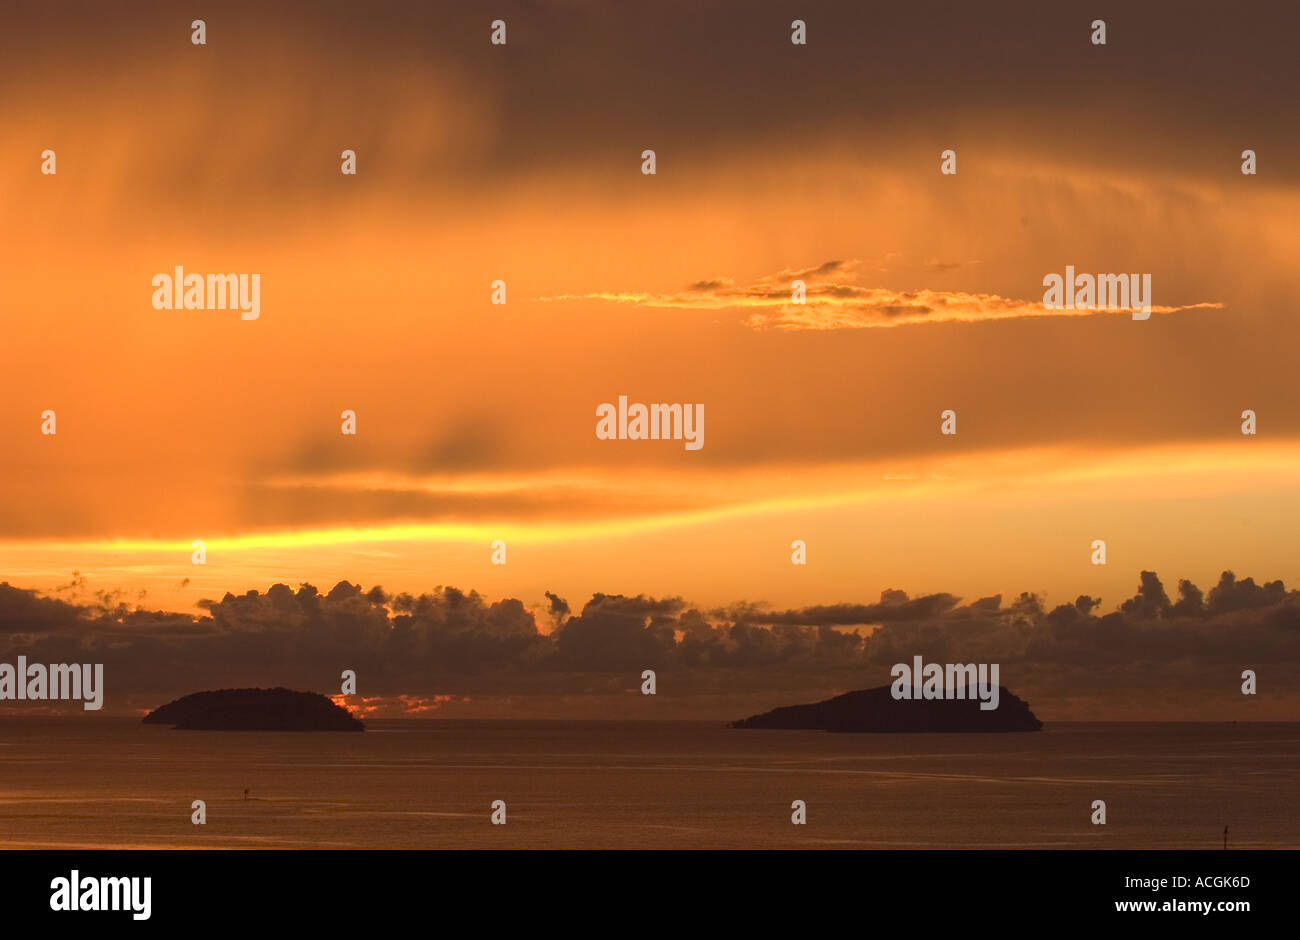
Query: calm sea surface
(116, 783)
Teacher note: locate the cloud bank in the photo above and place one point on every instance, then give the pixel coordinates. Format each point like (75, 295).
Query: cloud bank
(415, 653)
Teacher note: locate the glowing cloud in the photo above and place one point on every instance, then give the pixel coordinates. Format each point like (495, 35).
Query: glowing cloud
(833, 302)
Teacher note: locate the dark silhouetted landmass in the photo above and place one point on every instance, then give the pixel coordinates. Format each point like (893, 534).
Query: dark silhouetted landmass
(254, 710)
(877, 710)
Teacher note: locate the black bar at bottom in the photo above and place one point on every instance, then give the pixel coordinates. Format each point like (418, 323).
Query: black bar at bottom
(667, 890)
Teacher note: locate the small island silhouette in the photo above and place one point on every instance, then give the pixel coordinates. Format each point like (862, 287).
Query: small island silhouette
(877, 710)
(254, 710)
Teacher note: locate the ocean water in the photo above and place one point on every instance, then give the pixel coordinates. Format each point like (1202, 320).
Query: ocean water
(116, 783)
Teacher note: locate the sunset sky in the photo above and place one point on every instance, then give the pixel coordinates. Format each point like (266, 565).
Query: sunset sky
(476, 422)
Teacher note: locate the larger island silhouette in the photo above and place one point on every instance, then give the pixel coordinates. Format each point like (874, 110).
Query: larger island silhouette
(877, 710)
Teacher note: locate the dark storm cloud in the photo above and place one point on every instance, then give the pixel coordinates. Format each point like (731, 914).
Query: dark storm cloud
(452, 641)
(689, 75)
(582, 83)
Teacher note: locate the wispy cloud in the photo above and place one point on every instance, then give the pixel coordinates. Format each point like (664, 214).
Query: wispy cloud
(834, 302)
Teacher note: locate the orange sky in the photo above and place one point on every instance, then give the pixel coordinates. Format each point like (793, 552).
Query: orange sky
(477, 422)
